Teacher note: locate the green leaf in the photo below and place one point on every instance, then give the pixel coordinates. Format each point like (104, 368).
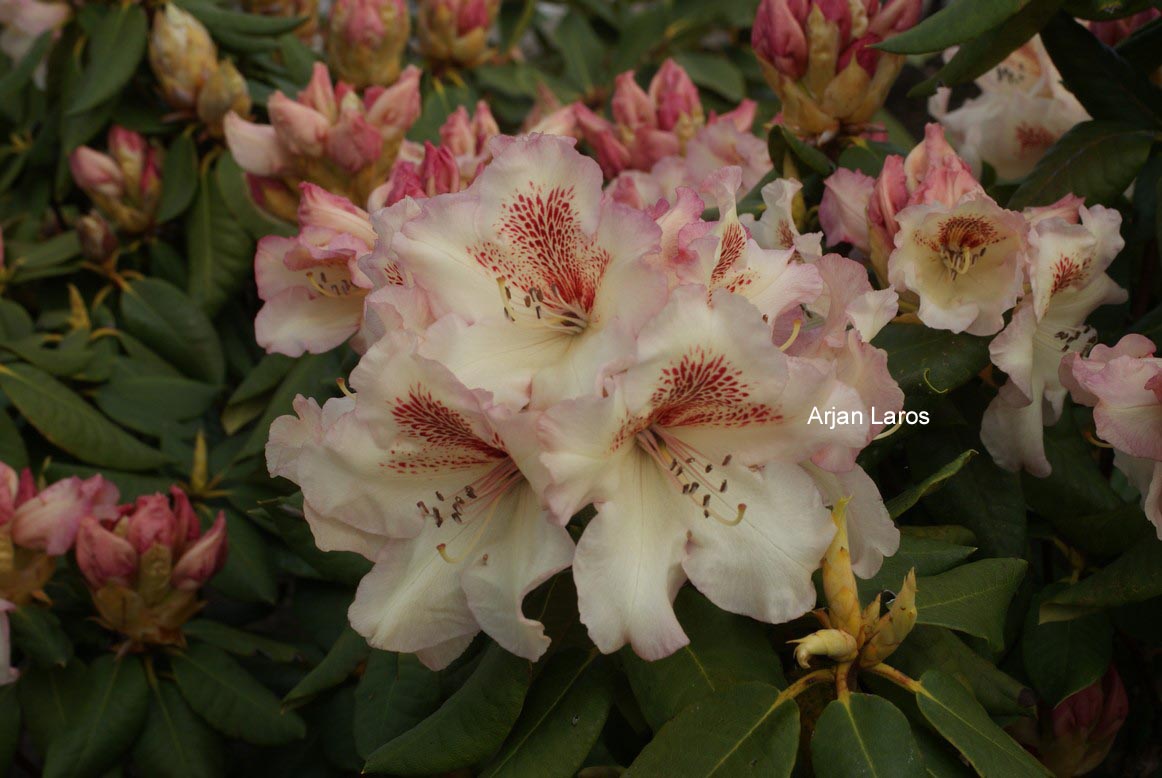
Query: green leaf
(1143, 49)
(932, 361)
(239, 642)
(51, 700)
(972, 598)
(562, 719)
(928, 648)
(37, 631)
(9, 728)
(116, 46)
(249, 572)
(231, 700)
(468, 728)
(724, 649)
(21, 74)
(235, 194)
(167, 321)
(220, 252)
(1096, 160)
(713, 72)
(782, 141)
(108, 722)
(148, 403)
(349, 651)
(395, 694)
(951, 709)
(927, 556)
(899, 504)
(1135, 576)
(179, 178)
(12, 450)
(175, 742)
(263, 378)
(313, 375)
(960, 21)
(71, 424)
(31, 261)
(340, 566)
(742, 731)
(867, 736)
(581, 49)
(981, 54)
(1105, 84)
(219, 20)
(1064, 657)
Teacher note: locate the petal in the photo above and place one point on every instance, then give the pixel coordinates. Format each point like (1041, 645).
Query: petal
(762, 566)
(871, 533)
(1146, 476)
(295, 321)
(48, 522)
(255, 147)
(843, 211)
(628, 565)
(1012, 430)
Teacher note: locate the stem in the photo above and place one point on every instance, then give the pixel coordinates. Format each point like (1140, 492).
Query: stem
(841, 688)
(896, 677)
(805, 683)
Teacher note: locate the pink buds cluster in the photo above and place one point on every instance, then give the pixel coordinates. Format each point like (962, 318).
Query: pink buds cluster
(125, 183)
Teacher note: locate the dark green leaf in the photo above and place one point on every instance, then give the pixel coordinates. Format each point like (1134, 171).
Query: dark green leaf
(219, 20)
(38, 633)
(927, 556)
(1105, 10)
(18, 77)
(1143, 49)
(167, 321)
(864, 735)
(349, 651)
(179, 178)
(713, 72)
(933, 361)
(468, 728)
(236, 195)
(231, 700)
(12, 451)
(1096, 160)
(148, 403)
(910, 496)
(1064, 657)
(175, 743)
(1133, 577)
(108, 722)
(51, 700)
(313, 375)
(395, 694)
(249, 572)
(973, 598)
(951, 709)
(960, 21)
(742, 731)
(562, 719)
(581, 49)
(340, 566)
(724, 649)
(782, 142)
(9, 728)
(220, 252)
(70, 423)
(116, 46)
(238, 641)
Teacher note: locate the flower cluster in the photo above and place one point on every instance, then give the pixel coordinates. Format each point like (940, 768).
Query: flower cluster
(366, 40)
(329, 135)
(965, 262)
(455, 32)
(125, 184)
(817, 56)
(573, 351)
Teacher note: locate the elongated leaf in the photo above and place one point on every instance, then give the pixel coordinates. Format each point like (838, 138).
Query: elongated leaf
(239, 641)
(236, 195)
(175, 743)
(179, 178)
(782, 141)
(231, 700)
(313, 375)
(18, 77)
(38, 633)
(1143, 49)
(972, 598)
(562, 719)
(960, 21)
(167, 321)
(148, 403)
(931, 361)
(724, 650)
(116, 46)
(1064, 657)
(929, 648)
(349, 651)
(468, 728)
(249, 572)
(910, 496)
(927, 556)
(1135, 576)
(742, 731)
(12, 450)
(1096, 160)
(340, 566)
(395, 694)
(581, 49)
(867, 736)
(116, 701)
(951, 709)
(70, 423)
(219, 20)
(1105, 84)
(221, 253)
(714, 72)
(51, 700)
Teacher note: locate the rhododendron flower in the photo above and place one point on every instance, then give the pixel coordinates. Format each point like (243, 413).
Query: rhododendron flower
(817, 56)
(145, 565)
(1022, 110)
(8, 673)
(366, 40)
(776, 227)
(330, 136)
(1124, 386)
(527, 268)
(690, 460)
(311, 285)
(415, 474)
(37, 525)
(456, 31)
(1068, 283)
(843, 210)
(125, 183)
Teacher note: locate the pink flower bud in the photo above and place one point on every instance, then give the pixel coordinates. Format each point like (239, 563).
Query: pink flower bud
(612, 154)
(48, 522)
(152, 523)
(404, 182)
(675, 95)
(456, 31)
(255, 147)
(353, 143)
(322, 210)
(778, 36)
(103, 556)
(96, 173)
(894, 17)
(319, 93)
(366, 40)
(632, 106)
(301, 129)
(457, 133)
(396, 108)
(439, 171)
(181, 54)
(200, 561)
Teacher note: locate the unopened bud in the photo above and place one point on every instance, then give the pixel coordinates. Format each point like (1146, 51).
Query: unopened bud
(366, 40)
(182, 55)
(98, 242)
(893, 626)
(833, 644)
(223, 92)
(456, 31)
(843, 606)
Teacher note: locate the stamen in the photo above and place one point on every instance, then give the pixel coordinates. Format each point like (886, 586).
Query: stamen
(797, 326)
(1092, 438)
(889, 431)
(343, 387)
(442, 548)
(333, 290)
(553, 313)
(671, 453)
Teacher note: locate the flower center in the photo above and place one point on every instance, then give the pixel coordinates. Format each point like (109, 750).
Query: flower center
(535, 308)
(337, 286)
(693, 474)
(964, 240)
(1066, 339)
